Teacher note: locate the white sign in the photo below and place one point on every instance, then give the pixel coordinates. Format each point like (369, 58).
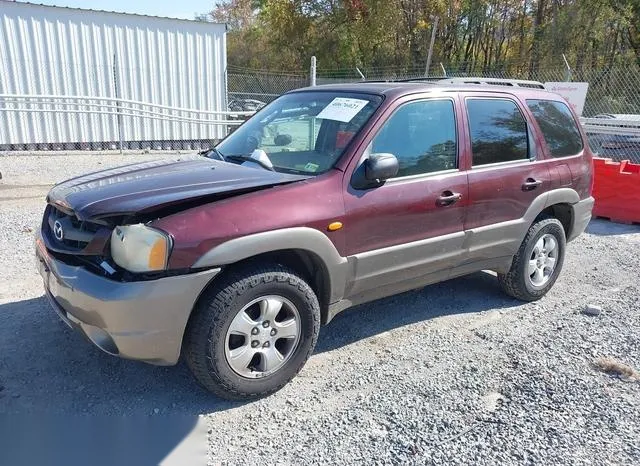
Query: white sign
(575, 93)
(342, 109)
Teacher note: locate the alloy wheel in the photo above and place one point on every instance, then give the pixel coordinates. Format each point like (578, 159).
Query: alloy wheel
(262, 337)
(543, 260)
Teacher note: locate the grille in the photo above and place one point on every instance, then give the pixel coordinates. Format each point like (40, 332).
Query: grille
(67, 233)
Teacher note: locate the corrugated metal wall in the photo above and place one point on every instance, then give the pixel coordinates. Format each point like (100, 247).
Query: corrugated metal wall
(49, 51)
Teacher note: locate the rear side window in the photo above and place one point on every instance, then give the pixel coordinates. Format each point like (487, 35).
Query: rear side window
(558, 127)
(498, 131)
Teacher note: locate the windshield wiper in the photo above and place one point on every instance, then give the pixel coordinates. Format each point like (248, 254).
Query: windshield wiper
(217, 155)
(248, 158)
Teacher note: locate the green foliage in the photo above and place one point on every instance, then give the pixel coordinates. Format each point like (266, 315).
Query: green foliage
(515, 36)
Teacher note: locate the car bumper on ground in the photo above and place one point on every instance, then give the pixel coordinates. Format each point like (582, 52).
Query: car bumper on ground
(581, 217)
(142, 320)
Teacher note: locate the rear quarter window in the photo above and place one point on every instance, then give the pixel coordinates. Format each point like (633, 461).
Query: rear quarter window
(558, 127)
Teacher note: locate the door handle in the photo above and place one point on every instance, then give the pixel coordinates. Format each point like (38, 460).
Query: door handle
(448, 198)
(530, 184)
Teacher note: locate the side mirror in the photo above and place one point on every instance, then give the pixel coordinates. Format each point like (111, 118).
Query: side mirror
(381, 167)
(374, 171)
(282, 140)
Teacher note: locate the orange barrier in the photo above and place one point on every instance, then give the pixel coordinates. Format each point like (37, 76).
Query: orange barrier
(616, 190)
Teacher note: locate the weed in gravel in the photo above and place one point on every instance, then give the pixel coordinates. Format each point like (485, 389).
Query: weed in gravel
(614, 367)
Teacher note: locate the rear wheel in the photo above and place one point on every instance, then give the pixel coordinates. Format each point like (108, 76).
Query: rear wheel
(252, 332)
(536, 266)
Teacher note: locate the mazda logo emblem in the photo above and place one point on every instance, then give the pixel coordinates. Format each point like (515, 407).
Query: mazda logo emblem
(58, 231)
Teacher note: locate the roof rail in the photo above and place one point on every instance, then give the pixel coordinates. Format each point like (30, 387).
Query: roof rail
(464, 80)
(494, 81)
(401, 80)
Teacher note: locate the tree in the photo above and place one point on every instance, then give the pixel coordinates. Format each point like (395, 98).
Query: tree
(513, 36)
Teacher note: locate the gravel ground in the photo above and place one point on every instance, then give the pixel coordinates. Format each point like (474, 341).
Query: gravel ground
(452, 373)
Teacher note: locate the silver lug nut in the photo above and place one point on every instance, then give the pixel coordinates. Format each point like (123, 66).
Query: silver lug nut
(255, 343)
(255, 331)
(273, 331)
(265, 324)
(266, 344)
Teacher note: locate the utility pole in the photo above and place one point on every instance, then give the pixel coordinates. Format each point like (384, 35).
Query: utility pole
(433, 40)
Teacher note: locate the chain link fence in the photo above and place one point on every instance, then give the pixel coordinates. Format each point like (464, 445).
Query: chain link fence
(258, 87)
(611, 112)
(120, 105)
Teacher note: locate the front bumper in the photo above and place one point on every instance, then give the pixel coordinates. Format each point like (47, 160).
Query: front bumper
(142, 320)
(581, 217)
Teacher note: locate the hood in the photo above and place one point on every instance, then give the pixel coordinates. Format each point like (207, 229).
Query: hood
(145, 187)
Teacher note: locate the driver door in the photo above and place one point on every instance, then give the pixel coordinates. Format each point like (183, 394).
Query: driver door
(409, 231)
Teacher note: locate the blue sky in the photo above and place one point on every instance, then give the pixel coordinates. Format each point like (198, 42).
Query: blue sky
(185, 9)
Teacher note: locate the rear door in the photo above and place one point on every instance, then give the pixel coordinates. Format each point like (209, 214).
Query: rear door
(410, 229)
(507, 173)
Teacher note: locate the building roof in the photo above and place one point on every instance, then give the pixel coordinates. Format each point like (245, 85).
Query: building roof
(112, 12)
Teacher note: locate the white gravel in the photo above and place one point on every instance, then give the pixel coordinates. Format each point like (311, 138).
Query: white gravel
(452, 373)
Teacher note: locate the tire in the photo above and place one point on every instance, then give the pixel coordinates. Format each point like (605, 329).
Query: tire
(211, 340)
(519, 282)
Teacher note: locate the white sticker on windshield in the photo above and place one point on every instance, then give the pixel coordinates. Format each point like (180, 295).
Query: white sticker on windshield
(342, 109)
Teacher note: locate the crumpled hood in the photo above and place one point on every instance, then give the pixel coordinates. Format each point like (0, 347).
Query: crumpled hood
(148, 186)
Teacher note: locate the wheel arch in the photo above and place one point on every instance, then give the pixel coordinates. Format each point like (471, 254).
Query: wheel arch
(562, 212)
(307, 251)
(559, 204)
(305, 264)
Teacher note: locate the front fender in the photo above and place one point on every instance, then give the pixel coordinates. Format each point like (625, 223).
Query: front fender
(301, 238)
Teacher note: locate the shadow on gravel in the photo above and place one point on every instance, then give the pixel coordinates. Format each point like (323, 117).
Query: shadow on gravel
(46, 367)
(472, 293)
(105, 440)
(602, 227)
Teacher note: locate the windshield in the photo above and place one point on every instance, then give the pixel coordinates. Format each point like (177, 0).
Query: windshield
(303, 132)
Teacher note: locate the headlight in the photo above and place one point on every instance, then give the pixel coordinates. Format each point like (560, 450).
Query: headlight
(139, 248)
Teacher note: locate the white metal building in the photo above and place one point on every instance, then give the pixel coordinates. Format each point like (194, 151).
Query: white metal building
(84, 79)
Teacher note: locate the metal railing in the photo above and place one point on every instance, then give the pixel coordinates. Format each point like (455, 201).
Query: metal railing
(77, 122)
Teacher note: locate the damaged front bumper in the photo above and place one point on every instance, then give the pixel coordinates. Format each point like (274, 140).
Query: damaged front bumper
(143, 320)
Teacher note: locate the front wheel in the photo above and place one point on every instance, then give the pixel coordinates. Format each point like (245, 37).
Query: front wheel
(538, 262)
(252, 332)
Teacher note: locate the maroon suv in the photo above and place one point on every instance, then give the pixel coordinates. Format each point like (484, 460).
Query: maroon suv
(328, 197)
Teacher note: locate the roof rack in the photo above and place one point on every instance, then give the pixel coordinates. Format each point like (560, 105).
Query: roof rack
(465, 80)
(494, 82)
(402, 80)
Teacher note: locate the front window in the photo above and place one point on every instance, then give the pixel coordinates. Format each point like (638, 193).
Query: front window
(422, 136)
(302, 132)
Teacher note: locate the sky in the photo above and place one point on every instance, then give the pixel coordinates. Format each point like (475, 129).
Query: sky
(185, 9)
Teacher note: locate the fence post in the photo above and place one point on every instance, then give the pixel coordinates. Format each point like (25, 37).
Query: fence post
(312, 74)
(433, 40)
(567, 76)
(118, 103)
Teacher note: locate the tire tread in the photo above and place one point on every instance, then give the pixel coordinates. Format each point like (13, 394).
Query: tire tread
(207, 317)
(512, 282)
